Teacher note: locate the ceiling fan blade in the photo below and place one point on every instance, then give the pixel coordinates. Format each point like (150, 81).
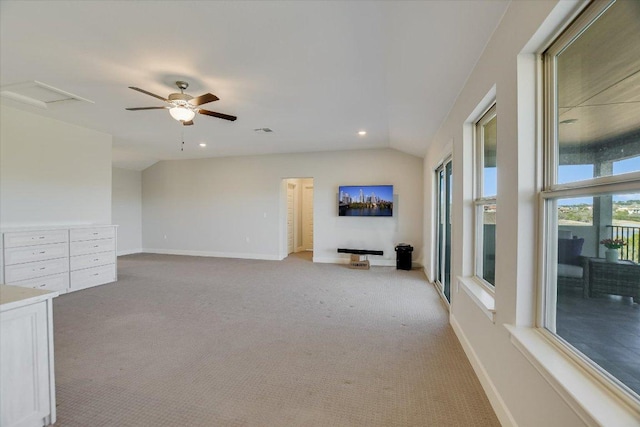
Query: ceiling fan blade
(203, 99)
(146, 108)
(189, 123)
(218, 115)
(148, 93)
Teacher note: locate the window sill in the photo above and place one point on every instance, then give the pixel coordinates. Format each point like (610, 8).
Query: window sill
(594, 403)
(479, 295)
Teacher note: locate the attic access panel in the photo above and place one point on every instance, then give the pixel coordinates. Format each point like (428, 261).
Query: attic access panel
(38, 94)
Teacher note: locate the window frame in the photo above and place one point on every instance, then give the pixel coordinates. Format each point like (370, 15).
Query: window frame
(552, 191)
(440, 258)
(479, 200)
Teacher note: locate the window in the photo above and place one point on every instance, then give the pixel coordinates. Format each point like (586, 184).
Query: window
(444, 175)
(486, 183)
(592, 190)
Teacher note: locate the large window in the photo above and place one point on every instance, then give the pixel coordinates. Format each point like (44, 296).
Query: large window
(486, 183)
(592, 190)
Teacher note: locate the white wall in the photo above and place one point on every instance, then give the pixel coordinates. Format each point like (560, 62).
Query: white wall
(127, 209)
(505, 70)
(51, 172)
(235, 206)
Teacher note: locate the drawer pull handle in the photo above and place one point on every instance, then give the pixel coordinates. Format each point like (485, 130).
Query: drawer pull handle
(43, 252)
(41, 268)
(97, 259)
(96, 246)
(43, 285)
(96, 274)
(95, 234)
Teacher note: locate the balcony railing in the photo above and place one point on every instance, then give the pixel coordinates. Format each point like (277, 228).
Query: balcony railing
(631, 235)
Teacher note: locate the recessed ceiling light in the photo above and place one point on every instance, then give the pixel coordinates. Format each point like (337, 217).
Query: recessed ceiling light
(362, 132)
(202, 144)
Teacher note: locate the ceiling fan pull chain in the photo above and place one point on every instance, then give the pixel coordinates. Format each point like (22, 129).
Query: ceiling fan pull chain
(182, 138)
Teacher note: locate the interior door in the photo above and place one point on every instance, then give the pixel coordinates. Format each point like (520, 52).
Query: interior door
(444, 177)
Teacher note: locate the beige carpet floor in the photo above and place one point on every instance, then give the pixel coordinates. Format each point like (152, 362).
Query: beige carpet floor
(190, 341)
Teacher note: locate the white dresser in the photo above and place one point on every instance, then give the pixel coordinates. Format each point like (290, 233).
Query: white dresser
(27, 381)
(92, 257)
(59, 259)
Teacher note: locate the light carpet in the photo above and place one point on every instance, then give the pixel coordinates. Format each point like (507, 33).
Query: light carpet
(192, 341)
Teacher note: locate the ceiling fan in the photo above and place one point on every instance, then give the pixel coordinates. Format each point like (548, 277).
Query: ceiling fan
(183, 107)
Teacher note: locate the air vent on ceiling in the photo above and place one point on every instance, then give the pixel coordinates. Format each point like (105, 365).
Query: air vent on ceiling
(263, 130)
(38, 94)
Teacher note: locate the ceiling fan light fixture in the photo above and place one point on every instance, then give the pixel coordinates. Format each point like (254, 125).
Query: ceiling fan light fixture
(182, 114)
(182, 106)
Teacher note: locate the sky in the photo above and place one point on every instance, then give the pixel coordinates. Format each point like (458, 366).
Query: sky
(572, 173)
(385, 192)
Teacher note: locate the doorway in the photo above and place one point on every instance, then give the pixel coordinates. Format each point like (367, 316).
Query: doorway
(299, 217)
(443, 228)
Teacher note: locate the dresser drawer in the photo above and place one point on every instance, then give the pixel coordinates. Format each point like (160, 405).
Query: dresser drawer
(56, 282)
(31, 270)
(93, 276)
(92, 246)
(79, 234)
(28, 238)
(92, 260)
(35, 253)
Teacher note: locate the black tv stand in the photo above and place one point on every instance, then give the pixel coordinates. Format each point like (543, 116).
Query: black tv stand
(360, 251)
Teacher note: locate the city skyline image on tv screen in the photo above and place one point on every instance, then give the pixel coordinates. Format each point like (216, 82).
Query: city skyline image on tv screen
(365, 200)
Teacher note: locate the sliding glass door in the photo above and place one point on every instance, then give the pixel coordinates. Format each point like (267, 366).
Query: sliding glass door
(443, 231)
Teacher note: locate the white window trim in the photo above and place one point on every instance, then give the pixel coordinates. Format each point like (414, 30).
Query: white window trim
(587, 395)
(479, 294)
(479, 201)
(545, 350)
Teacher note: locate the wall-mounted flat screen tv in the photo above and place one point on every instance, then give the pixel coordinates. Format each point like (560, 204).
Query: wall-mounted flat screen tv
(365, 200)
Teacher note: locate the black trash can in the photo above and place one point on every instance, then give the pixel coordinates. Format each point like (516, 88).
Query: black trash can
(403, 256)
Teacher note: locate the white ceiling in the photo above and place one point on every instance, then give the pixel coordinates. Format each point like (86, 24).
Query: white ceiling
(314, 72)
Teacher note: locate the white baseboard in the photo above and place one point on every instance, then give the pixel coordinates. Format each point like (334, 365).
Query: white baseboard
(322, 260)
(424, 270)
(343, 260)
(498, 405)
(330, 260)
(213, 254)
(130, 251)
(373, 262)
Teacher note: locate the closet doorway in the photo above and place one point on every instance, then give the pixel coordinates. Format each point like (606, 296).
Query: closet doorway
(299, 216)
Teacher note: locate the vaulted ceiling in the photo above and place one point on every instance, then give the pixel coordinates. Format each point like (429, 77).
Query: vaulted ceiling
(314, 72)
